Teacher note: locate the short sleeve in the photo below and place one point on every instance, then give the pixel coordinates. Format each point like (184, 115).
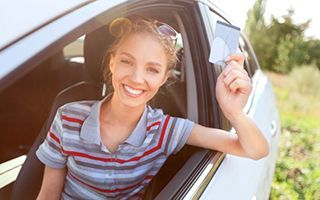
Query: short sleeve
(50, 151)
(179, 132)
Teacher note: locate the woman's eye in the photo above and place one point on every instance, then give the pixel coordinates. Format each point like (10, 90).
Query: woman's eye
(153, 70)
(127, 62)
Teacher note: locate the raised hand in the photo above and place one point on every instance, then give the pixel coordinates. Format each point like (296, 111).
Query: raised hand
(233, 87)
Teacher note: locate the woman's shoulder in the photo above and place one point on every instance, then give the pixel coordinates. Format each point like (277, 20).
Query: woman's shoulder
(81, 108)
(158, 115)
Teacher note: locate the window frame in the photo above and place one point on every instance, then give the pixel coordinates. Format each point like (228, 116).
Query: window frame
(254, 67)
(217, 157)
(203, 163)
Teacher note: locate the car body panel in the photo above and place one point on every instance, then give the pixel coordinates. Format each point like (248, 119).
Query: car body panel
(242, 178)
(242, 172)
(32, 44)
(18, 13)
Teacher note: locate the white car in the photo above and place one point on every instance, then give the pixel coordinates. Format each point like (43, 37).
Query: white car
(51, 54)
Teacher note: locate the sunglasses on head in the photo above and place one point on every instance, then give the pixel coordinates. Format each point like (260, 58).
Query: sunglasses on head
(167, 31)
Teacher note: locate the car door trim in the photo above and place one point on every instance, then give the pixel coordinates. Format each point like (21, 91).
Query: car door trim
(188, 175)
(203, 181)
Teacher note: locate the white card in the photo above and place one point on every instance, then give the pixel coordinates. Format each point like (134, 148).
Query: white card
(225, 42)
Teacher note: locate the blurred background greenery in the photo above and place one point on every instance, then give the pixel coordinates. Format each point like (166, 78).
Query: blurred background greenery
(292, 62)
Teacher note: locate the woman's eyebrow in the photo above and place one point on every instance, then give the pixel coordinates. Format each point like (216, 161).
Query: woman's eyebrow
(155, 64)
(127, 54)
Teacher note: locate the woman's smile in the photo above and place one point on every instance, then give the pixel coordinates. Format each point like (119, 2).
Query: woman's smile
(132, 92)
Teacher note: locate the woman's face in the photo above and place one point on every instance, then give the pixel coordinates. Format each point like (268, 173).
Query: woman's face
(138, 68)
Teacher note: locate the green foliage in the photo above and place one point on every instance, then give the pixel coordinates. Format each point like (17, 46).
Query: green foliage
(297, 174)
(283, 63)
(256, 19)
(280, 45)
(313, 46)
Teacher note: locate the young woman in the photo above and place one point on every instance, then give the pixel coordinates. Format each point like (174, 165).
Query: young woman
(113, 147)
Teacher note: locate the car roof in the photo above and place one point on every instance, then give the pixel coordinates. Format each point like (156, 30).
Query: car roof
(20, 18)
(27, 28)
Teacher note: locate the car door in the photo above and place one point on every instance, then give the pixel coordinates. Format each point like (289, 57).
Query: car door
(248, 179)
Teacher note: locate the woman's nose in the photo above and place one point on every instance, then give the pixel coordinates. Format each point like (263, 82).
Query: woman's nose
(137, 76)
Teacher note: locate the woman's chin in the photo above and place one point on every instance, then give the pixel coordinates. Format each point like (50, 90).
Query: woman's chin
(131, 101)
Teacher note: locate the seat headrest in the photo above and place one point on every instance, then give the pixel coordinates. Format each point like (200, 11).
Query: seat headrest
(95, 45)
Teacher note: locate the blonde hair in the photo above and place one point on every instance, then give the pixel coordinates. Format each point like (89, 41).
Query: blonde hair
(122, 27)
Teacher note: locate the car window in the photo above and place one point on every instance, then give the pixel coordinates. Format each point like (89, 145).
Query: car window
(74, 50)
(25, 104)
(24, 108)
(244, 48)
(248, 51)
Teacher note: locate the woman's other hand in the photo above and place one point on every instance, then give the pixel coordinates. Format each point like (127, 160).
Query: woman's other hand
(233, 87)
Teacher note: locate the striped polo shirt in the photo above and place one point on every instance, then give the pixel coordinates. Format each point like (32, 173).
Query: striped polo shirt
(94, 172)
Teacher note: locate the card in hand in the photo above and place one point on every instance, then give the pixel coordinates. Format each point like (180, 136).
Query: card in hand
(225, 42)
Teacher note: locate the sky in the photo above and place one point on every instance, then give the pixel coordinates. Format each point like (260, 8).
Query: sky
(304, 10)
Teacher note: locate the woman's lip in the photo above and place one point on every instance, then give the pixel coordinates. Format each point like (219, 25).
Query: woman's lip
(134, 87)
(130, 94)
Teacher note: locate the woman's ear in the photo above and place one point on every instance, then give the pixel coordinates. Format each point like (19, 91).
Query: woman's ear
(167, 75)
(111, 63)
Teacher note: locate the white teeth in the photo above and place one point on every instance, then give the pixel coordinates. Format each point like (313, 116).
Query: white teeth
(132, 91)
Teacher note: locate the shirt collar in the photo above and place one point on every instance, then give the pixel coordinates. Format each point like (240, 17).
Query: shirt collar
(138, 134)
(90, 130)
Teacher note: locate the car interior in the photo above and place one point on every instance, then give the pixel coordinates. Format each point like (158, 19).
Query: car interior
(57, 81)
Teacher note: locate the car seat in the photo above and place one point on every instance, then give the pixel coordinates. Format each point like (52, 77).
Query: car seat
(28, 182)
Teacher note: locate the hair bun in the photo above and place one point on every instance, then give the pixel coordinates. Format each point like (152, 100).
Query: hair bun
(119, 26)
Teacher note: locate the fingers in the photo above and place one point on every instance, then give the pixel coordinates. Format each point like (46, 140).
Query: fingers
(238, 57)
(235, 77)
(241, 85)
(233, 66)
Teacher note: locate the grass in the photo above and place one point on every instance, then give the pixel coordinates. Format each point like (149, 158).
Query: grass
(297, 174)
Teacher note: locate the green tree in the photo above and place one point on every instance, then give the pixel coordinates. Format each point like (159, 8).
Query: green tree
(280, 45)
(288, 41)
(313, 48)
(256, 31)
(256, 17)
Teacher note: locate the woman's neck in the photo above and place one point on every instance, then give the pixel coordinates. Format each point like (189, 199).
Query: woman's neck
(113, 112)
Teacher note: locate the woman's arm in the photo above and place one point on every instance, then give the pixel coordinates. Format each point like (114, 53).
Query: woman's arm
(248, 142)
(232, 90)
(52, 183)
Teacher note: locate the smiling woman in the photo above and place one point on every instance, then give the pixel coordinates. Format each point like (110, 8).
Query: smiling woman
(140, 61)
